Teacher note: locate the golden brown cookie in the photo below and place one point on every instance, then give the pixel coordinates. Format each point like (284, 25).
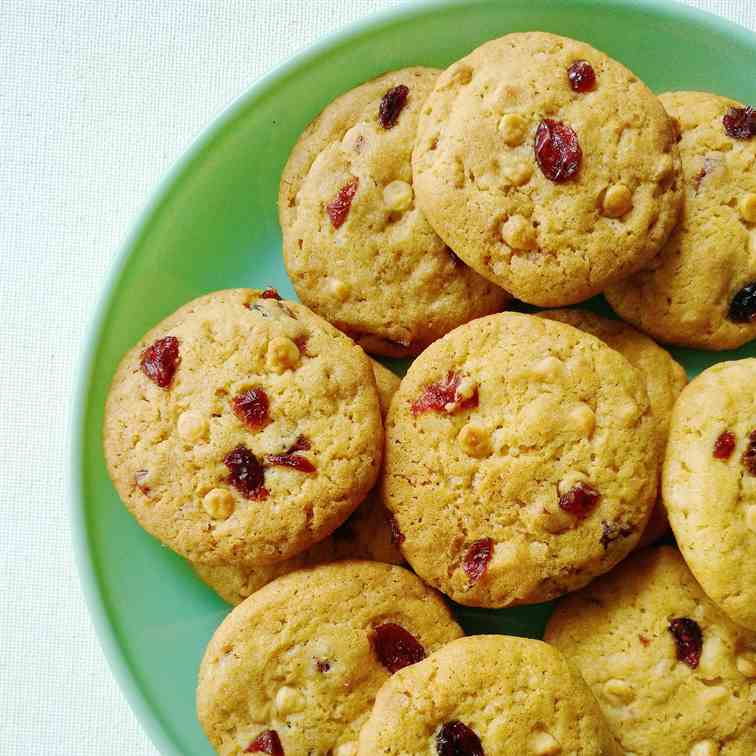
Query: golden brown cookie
(520, 460)
(701, 289)
(300, 661)
(243, 429)
(357, 248)
(547, 166)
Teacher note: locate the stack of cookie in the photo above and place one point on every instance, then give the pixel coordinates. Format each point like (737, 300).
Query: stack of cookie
(520, 457)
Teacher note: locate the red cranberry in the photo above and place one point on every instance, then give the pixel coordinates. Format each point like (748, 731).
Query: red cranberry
(251, 407)
(391, 106)
(749, 455)
(139, 477)
(688, 638)
(580, 500)
(270, 293)
(437, 396)
(724, 445)
(338, 208)
(323, 665)
(740, 123)
(301, 444)
(266, 742)
(477, 558)
(582, 76)
(397, 537)
(611, 531)
(301, 342)
(395, 647)
(743, 305)
(160, 360)
(295, 461)
(246, 473)
(557, 150)
(457, 739)
(644, 641)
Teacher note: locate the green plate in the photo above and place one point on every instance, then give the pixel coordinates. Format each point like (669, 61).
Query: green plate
(212, 225)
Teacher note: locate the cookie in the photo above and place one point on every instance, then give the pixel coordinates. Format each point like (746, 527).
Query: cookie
(663, 376)
(299, 662)
(357, 248)
(701, 289)
(672, 674)
(489, 694)
(547, 166)
(365, 535)
(709, 484)
(520, 460)
(243, 429)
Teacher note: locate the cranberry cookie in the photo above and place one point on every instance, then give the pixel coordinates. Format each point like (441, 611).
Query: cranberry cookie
(547, 166)
(295, 668)
(672, 674)
(243, 429)
(489, 694)
(664, 378)
(709, 484)
(701, 289)
(356, 246)
(521, 460)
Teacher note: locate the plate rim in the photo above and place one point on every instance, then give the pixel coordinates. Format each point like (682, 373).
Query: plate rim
(86, 564)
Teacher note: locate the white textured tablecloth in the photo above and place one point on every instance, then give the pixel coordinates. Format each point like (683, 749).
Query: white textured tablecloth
(97, 100)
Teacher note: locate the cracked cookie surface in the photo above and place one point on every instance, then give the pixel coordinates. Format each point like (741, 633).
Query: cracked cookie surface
(357, 248)
(266, 438)
(480, 183)
(520, 460)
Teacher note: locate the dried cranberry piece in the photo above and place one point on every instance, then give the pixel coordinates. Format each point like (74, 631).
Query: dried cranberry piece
(160, 359)
(139, 477)
(743, 305)
(391, 106)
(266, 742)
(740, 123)
(301, 444)
(724, 445)
(246, 473)
(689, 639)
(437, 396)
(323, 665)
(251, 407)
(338, 208)
(477, 558)
(395, 647)
(557, 150)
(271, 293)
(457, 739)
(644, 641)
(611, 531)
(582, 76)
(397, 537)
(580, 500)
(290, 459)
(749, 455)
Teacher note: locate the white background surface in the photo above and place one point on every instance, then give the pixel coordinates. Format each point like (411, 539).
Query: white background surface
(97, 99)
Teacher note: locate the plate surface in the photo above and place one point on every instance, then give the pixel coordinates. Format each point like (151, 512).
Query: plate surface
(213, 225)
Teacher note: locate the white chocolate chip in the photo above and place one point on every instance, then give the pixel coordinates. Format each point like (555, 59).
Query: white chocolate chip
(549, 368)
(618, 200)
(747, 207)
(218, 503)
(289, 700)
(705, 748)
(191, 425)
(518, 233)
(544, 744)
(714, 694)
(570, 480)
(555, 520)
(517, 171)
(512, 128)
(338, 288)
(283, 354)
(474, 441)
(467, 388)
(346, 749)
(746, 664)
(398, 196)
(581, 418)
(618, 692)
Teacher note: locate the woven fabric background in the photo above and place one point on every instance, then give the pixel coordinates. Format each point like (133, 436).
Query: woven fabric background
(98, 98)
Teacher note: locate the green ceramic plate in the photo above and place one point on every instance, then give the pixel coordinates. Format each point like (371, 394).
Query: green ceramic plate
(212, 224)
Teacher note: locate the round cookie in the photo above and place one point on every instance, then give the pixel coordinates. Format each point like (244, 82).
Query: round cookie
(365, 535)
(709, 484)
(672, 674)
(488, 694)
(357, 248)
(552, 227)
(664, 379)
(299, 662)
(520, 460)
(243, 429)
(695, 293)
